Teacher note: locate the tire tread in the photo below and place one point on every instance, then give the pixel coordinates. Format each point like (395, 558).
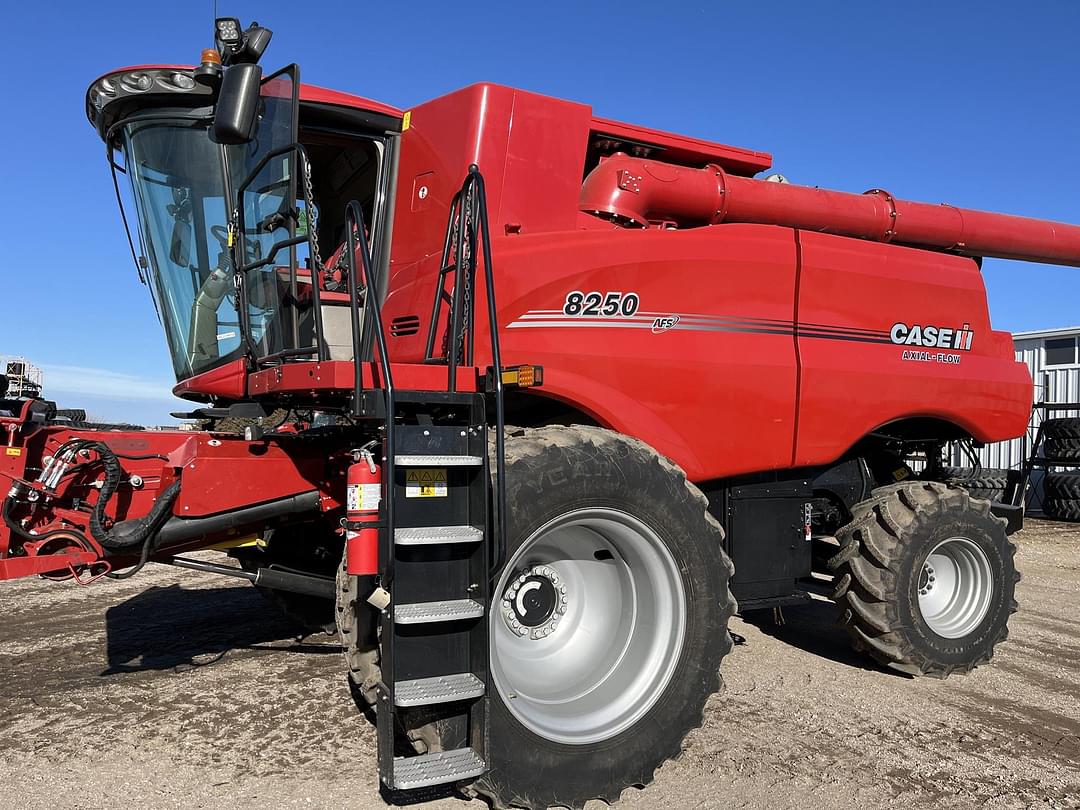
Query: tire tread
(867, 570)
(525, 444)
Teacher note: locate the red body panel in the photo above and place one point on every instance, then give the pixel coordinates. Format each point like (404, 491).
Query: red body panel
(849, 387)
(313, 379)
(782, 354)
(219, 473)
(716, 400)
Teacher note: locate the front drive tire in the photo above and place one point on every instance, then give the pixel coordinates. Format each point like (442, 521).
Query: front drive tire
(623, 582)
(925, 578)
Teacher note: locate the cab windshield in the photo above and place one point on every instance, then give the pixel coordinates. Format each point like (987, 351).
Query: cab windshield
(184, 187)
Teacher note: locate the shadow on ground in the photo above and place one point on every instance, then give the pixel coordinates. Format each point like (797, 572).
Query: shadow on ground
(173, 627)
(813, 627)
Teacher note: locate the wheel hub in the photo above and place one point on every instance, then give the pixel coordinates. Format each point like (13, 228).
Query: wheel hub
(926, 579)
(534, 602)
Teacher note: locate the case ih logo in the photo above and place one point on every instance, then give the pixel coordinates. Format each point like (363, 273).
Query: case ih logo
(936, 337)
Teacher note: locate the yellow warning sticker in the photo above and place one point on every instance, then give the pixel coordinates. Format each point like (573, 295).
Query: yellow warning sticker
(426, 483)
(14, 451)
(406, 120)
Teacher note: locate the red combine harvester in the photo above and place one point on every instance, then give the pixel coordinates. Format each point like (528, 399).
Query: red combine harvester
(508, 432)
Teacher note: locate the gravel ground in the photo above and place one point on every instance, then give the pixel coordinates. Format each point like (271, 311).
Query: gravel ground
(177, 689)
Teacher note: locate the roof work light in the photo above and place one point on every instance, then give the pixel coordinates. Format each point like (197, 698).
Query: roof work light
(238, 46)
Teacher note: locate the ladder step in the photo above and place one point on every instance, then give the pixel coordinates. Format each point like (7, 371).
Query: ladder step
(427, 612)
(438, 461)
(426, 770)
(440, 689)
(434, 535)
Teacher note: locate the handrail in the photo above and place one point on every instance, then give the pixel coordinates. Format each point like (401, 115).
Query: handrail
(496, 362)
(354, 219)
(440, 291)
(354, 224)
(464, 229)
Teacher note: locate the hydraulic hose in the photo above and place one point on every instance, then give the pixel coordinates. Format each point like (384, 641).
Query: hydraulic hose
(10, 522)
(113, 473)
(128, 533)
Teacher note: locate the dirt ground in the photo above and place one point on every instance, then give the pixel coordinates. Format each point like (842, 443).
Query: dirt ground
(177, 689)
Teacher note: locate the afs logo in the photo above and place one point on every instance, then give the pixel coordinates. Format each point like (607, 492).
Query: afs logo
(664, 324)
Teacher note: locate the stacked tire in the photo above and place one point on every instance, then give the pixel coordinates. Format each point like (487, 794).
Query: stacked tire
(1061, 446)
(1061, 440)
(987, 483)
(1063, 495)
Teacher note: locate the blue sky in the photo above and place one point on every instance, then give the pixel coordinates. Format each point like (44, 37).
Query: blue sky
(973, 103)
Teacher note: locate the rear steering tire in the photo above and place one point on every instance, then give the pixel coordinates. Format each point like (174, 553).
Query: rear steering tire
(925, 579)
(609, 620)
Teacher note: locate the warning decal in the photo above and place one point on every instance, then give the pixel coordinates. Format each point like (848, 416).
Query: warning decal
(426, 483)
(363, 497)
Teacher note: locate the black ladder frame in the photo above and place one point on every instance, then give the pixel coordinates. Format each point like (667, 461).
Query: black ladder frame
(468, 238)
(467, 230)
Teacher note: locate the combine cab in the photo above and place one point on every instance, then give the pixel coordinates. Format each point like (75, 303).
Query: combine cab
(506, 429)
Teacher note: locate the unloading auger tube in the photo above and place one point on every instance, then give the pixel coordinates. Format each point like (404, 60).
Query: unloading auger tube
(637, 192)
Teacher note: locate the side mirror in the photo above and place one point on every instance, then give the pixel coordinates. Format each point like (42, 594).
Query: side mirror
(238, 104)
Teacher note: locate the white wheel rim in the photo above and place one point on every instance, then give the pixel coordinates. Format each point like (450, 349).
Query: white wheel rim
(614, 635)
(956, 584)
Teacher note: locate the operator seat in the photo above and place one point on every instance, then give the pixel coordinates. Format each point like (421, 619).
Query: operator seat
(336, 313)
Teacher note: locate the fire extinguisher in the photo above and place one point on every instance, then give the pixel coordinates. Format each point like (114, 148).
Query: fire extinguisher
(363, 494)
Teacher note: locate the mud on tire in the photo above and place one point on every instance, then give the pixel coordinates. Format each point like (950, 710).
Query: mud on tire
(882, 567)
(555, 472)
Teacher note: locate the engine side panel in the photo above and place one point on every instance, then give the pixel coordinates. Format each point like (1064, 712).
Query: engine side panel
(707, 368)
(704, 367)
(888, 333)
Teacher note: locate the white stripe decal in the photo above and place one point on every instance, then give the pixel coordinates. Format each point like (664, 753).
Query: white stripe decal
(657, 322)
(623, 323)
